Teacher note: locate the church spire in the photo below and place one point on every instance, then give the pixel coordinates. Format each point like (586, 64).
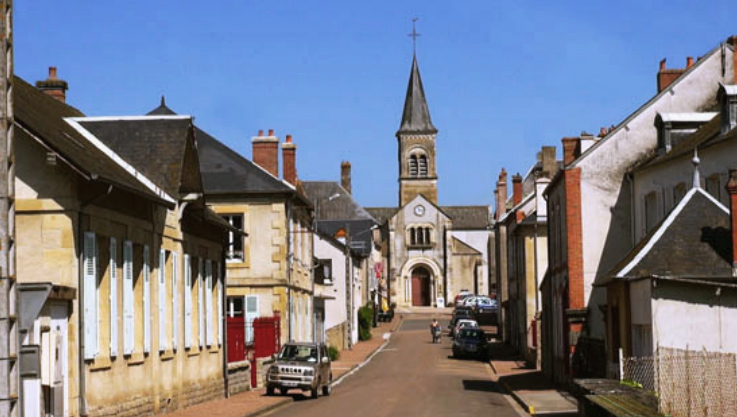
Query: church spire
(416, 116)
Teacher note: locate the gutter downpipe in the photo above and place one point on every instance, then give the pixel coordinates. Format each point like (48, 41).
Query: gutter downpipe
(223, 273)
(290, 256)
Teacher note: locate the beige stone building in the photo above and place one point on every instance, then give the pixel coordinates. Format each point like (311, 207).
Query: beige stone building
(119, 260)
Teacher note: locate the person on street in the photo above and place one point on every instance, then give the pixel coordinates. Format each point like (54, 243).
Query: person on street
(435, 330)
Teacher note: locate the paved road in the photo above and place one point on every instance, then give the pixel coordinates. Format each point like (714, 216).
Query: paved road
(412, 377)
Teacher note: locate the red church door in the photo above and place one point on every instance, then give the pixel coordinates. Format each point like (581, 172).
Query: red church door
(420, 287)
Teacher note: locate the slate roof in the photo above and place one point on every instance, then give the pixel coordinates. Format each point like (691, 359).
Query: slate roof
(339, 208)
(160, 146)
(416, 115)
(694, 240)
(468, 217)
(382, 214)
(225, 171)
(42, 116)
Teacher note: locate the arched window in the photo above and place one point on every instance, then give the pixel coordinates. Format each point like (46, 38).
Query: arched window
(427, 236)
(413, 166)
(412, 236)
(420, 236)
(422, 166)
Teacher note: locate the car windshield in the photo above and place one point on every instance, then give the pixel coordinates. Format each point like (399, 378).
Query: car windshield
(298, 353)
(472, 334)
(468, 324)
(483, 301)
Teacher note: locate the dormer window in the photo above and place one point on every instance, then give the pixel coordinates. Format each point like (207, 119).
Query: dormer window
(727, 97)
(674, 127)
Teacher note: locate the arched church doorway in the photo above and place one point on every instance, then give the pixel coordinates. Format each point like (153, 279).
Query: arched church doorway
(420, 286)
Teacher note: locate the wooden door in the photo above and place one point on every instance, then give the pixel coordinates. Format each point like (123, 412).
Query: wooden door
(420, 287)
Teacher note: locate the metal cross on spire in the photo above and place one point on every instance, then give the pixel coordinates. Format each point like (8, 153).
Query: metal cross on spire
(414, 35)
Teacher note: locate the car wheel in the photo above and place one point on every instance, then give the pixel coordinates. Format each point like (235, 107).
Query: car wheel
(270, 391)
(314, 392)
(327, 388)
(283, 391)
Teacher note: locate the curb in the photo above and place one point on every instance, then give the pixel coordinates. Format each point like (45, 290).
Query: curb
(269, 408)
(369, 357)
(529, 409)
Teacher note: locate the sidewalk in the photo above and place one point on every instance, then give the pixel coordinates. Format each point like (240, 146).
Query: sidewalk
(528, 386)
(255, 403)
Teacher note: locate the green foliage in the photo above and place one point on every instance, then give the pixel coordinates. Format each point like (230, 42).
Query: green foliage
(631, 383)
(365, 321)
(334, 353)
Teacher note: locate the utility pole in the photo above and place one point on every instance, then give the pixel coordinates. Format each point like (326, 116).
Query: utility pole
(10, 402)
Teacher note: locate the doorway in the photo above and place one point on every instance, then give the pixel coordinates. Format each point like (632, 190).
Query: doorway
(420, 287)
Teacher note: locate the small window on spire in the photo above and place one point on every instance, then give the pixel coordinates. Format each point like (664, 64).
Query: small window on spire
(423, 166)
(413, 166)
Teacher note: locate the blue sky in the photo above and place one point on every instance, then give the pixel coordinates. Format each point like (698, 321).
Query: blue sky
(502, 78)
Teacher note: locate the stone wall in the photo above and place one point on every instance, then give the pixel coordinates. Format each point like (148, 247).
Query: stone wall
(336, 336)
(239, 377)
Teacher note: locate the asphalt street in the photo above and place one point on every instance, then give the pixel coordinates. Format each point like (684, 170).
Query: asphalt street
(411, 376)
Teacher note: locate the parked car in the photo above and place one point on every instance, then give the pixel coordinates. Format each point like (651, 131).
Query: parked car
(471, 342)
(458, 314)
(469, 301)
(461, 295)
(463, 324)
(485, 303)
(305, 366)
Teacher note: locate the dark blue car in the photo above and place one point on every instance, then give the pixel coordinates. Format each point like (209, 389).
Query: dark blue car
(471, 343)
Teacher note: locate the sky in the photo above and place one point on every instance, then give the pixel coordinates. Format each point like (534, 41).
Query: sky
(502, 79)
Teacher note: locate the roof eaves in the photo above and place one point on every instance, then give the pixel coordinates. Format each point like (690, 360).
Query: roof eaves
(647, 104)
(75, 123)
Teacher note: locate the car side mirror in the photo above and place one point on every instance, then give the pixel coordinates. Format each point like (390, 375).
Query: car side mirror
(273, 356)
(325, 359)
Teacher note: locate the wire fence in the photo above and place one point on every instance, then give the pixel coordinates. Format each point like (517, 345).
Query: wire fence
(687, 383)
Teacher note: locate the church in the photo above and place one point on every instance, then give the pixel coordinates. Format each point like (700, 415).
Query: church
(431, 252)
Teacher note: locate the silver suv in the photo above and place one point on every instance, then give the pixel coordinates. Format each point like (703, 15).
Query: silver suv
(300, 365)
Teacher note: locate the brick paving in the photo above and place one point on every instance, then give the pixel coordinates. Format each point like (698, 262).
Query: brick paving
(255, 402)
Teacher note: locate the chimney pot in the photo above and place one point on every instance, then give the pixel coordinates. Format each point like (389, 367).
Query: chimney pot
(501, 195)
(662, 64)
(689, 62)
(289, 161)
(517, 189)
(52, 73)
(345, 176)
(603, 131)
(289, 138)
(271, 132)
(53, 86)
(260, 133)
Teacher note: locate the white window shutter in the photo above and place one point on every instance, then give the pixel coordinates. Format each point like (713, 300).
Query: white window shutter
(174, 298)
(208, 303)
(162, 300)
(146, 302)
(200, 300)
(113, 297)
(128, 311)
(251, 315)
(187, 302)
(219, 296)
(90, 295)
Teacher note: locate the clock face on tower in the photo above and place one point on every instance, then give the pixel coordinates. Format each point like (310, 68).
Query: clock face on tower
(420, 210)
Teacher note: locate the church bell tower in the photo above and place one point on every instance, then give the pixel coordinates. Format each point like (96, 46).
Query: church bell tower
(416, 138)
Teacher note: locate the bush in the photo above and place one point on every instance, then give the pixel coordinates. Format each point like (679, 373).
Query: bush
(334, 353)
(365, 321)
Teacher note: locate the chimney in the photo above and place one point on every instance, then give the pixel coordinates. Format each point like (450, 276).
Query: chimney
(571, 149)
(733, 41)
(516, 189)
(289, 159)
(587, 140)
(501, 194)
(266, 152)
(549, 164)
(732, 190)
(53, 86)
(345, 175)
(666, 77)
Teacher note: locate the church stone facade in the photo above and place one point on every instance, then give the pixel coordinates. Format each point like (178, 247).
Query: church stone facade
(431, 252)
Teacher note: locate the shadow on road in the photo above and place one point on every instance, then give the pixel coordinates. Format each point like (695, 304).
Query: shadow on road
(481, 385)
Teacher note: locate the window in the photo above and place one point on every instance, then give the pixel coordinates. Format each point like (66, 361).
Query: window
(651, 211)
(128, 302)
(323, 271)
(208, 303)
(420, 236)
(187, 302)
(423, 166)
(162, 300)
(679, 191)
(90, 295)
(113, 297)
(174, 299)
(251, 315)
(413, 166)
(219, 296)
(235, 242)
(200, 301)
(146, 302)
(712, 186)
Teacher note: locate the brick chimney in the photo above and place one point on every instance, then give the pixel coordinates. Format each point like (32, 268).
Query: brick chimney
(571, 149)
(345, 175)
(53, 86)
(289, 159)
(732, 190)
(266, 152)
(516, 189)
(666, 77)
(501, 194)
